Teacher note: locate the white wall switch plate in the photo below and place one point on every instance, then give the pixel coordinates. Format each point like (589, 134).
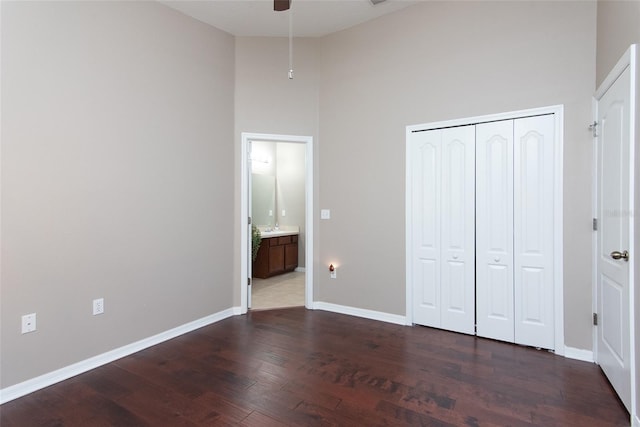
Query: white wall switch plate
(28, 323)
(284, 212)
(333, 274)
(325, 214)
(98, 306)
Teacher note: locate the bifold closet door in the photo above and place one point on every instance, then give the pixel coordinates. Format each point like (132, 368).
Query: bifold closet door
(514, 238)
(533, 231)
(443, 228)
(494, 230)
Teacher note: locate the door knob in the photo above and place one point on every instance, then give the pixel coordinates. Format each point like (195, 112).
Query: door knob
(618, 255)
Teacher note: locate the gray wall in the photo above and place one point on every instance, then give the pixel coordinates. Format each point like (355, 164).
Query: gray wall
(291, 190)
(117, 148)
(437, 61)
(619, 27)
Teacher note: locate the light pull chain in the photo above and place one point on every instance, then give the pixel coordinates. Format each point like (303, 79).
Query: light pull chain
(290, 44)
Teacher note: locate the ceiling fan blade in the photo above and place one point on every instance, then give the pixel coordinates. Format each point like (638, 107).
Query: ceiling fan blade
(281, 5)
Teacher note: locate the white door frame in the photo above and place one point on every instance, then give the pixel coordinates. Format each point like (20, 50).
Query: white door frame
(558, 112)
(629, 59)
(246, 138)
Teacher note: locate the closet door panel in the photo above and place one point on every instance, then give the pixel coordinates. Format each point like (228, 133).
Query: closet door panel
(458, 229)
(426, 191)
(494, 230)
(533, 230)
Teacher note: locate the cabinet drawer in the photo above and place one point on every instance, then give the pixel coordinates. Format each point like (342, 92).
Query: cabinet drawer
(284, 240)
(273, 241)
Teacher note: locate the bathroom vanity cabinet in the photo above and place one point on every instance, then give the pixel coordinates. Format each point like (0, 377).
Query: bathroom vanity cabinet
(276, 255)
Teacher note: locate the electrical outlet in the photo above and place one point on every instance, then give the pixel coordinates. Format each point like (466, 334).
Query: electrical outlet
(98, 306)
(333, 274)
(28, 323)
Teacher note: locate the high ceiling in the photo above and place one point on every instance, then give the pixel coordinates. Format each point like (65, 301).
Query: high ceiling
(311, 18)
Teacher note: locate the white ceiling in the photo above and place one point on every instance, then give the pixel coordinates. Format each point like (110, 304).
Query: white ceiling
(311, 18)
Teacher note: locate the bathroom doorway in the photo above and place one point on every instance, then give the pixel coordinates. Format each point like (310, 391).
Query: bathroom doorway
(276, 187)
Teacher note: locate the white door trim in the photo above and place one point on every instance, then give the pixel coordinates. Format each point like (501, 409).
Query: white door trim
(628, 59)
(558, 112)
(246, 137)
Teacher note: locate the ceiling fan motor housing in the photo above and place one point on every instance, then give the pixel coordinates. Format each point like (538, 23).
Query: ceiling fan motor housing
(280, 5)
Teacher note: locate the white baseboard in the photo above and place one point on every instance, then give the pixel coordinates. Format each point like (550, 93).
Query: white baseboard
(300, 269)
(360, 312)
(21, 389)
(578, 354)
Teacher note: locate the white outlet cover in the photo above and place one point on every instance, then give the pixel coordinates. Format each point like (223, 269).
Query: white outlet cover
(325, 214)
(98, 306)
(284, 212)
(28, 323)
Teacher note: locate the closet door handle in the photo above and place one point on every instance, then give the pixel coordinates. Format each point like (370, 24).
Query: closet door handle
(620, 255)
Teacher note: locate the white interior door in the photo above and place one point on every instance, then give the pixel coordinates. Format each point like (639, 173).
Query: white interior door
(425, 153)
(443, 265)
(249, 225)
(458, 229)
(494, 225)
(533, 154)
(613, 239)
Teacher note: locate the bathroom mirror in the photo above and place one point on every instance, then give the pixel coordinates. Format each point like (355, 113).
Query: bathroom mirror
(263, 200)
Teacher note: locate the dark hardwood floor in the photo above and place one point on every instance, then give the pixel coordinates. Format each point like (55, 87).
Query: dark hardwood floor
(299, 367)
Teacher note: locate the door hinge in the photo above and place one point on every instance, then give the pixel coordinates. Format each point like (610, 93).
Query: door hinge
(248, 281)
(593, 128)
(595, 319)
(595, 224)
(249, 221)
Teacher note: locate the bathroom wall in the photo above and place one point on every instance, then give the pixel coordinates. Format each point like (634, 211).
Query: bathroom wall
(291, 190)
(263, 183)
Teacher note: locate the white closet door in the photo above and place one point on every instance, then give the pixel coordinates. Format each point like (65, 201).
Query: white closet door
(494, 235)
(458, 230)
(533, 231)
(425, 151)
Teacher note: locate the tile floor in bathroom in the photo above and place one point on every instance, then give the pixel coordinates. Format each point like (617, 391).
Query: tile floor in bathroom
(285, 290)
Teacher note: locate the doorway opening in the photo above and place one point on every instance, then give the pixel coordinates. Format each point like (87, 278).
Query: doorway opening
(276, 200)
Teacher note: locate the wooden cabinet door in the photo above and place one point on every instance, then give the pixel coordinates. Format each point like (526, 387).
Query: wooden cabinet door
(276, 259)
(291, 256)
(260, 267)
